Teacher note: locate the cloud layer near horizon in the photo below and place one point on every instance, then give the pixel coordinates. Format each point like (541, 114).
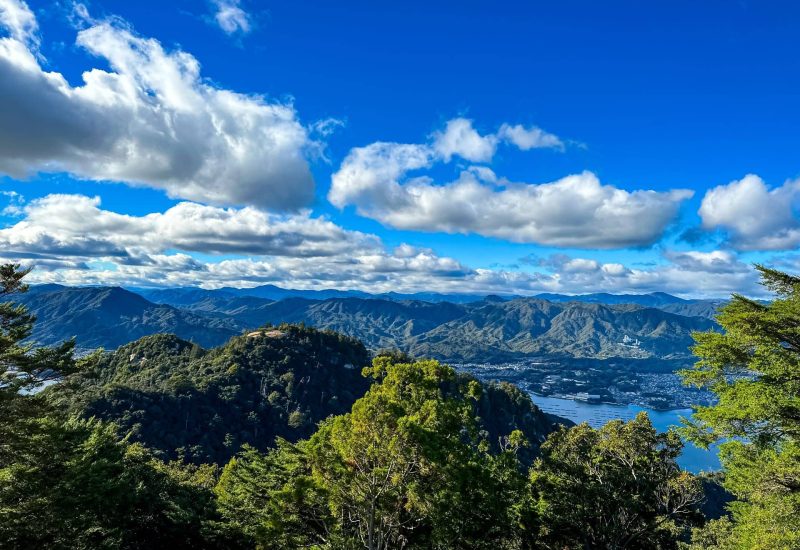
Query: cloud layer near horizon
(72, 240)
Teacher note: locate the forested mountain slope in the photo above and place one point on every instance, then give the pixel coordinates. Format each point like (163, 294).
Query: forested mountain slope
(493, 330)
(490, 330)
(203, 405)
(109, 317)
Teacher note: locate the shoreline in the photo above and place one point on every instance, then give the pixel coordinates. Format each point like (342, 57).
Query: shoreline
(609, 403)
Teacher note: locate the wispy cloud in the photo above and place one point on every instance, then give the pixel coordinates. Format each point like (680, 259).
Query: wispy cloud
(14, 207)
(460, 138)
(231, 18)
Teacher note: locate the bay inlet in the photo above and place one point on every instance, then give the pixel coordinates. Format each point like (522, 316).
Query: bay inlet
(693, 459)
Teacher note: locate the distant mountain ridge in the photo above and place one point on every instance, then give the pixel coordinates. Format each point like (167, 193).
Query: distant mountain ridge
(661, 300)
(109, 317)
(276, 293)
(653, 299)
(492, 329)
(190, 295)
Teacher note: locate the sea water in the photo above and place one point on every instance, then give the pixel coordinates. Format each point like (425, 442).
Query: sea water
(693, 459)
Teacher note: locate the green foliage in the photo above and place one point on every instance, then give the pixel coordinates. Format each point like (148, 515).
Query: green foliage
(616, 487)
(273, 499)
(203, 406)
(68, 483)
(502, 408)
(23, 367)
(406, 467)
(754, 369)
(411, 466)
(76, 485)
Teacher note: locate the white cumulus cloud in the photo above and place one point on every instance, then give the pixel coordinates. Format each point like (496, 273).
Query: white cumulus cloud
(756, 217)
(20, 22)
(76, 225)
(460, 138)
(575, 211)
(151, 120)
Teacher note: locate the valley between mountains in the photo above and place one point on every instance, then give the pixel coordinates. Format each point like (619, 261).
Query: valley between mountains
(602, 347)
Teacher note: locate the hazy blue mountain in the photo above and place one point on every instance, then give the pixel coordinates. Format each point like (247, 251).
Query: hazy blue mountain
(272, 292)
(50, 287)
(654, 299)
(191, 296)
(437, 297)
(491, 329)
(184, 296)
(661, 300)
(181, 296)
(111, 316)
(695, 308)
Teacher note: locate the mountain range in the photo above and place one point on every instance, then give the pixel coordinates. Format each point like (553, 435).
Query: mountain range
(109, 317)
(190, 295)
(484, 329)
(275, 293)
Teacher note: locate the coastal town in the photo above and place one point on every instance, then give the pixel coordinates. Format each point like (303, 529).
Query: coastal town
(649, 383)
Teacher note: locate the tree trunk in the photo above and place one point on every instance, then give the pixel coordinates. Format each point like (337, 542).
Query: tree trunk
(371, 528)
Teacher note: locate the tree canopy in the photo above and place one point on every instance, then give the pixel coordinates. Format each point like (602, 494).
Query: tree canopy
(410, 466)
(67, 482)
(753, 366)
(418, 455)
(621, 484)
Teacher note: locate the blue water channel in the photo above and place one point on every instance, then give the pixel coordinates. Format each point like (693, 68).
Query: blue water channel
(693, 459)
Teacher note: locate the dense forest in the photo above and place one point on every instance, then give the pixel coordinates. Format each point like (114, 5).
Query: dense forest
(289, 437)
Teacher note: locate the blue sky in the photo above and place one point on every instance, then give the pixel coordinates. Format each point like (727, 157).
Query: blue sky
(462, 147)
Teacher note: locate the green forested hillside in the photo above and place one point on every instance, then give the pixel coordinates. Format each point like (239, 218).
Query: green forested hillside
(418, 457)
(494, 330)
(490, 330)
(204, 405)
(409, 466)
(109, 317)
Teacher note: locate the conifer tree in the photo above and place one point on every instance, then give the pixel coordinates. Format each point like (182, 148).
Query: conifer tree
(24, 368)
(753, 366)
